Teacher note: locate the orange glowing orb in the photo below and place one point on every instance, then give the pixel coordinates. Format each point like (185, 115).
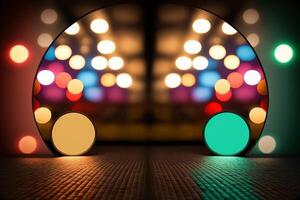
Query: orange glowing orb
(27, 144)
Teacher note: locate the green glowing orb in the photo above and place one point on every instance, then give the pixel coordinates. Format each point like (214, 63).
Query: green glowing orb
(226, 134)
(283, 53)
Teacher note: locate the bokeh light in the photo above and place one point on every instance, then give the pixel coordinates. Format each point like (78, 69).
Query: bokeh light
(73, 134)
(202, 94)
(235, 79)
(44, 40)
(252, 77)
(212, 108)
(231, 62)
(27, 144)
(106, 47)
(99, 26)
(228, 29)
(49, 16)
(42, 115)
(224, 97)
(208, 78)
(262, 87)
(222, 86)
(183, 63)
(267, 144)
(124, 80)
(62, 79)
(75, 86)
(250, 16)
(217, 52)
(63, 52)
(77, 62)
(226, 134)
(50, 54)
(188, 80)
(245, 53)
(88, 78)
(93, 94)
(283, 53)
(45, 77)
(99, 62)
(108, 80)
(73, 29)
(73, 97)
(19, 53)
(257, 115)
(201, 26)
(192, 46)
(200, 63)
(172, 80)
(115, 63)
(253, 39)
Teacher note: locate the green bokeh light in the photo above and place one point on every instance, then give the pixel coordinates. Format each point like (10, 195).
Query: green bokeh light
(283, 53)
(226, 134)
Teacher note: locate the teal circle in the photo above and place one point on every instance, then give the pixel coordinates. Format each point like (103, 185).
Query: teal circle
(226, 134)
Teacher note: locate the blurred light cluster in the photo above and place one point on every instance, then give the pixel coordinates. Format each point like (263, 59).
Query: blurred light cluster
(223, 73)
(67, 76)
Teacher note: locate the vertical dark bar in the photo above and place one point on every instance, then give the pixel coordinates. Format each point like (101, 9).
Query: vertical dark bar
(149, 25)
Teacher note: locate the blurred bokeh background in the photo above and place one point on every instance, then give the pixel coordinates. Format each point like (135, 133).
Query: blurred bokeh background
(143, 34)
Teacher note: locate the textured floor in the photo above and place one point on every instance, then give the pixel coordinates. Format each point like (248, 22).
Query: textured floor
(173, 172)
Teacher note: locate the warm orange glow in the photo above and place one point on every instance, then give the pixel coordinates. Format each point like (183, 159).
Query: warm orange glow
(262, 87)
(42, 115)
(222, 86)
(19, 53)
(257, 115)
(27, 144)
(235, 79)
(62, 79)
(108, 79)
(188, 80)
(75, 86)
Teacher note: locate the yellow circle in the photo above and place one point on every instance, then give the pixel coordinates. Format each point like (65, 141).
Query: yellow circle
(42, 115)
(75, 86)
(222, 86)
(73, 134)
(108, 79)
(217, 52)
(231, 62)
(63, 52)
(77, 62)
(19, 54)
(188, 80)
(257, 115)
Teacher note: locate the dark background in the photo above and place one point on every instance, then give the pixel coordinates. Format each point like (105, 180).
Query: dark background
(20, 23)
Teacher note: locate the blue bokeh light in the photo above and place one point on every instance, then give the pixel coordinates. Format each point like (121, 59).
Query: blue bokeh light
(208, 78)
(202, 94)
(50, 55)
(93, 94)
(88, 78)
(245, 53)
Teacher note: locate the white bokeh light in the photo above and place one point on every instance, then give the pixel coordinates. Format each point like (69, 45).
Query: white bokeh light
(252, 77)
(124, 80)
(200, 63)
(201, 26)
(45, 77)
(99, 62)
(267, 144)
(173, 80)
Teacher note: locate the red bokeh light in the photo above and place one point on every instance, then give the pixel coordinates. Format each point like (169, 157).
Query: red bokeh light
(224, 97)
(213, 108)
(73, 97)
